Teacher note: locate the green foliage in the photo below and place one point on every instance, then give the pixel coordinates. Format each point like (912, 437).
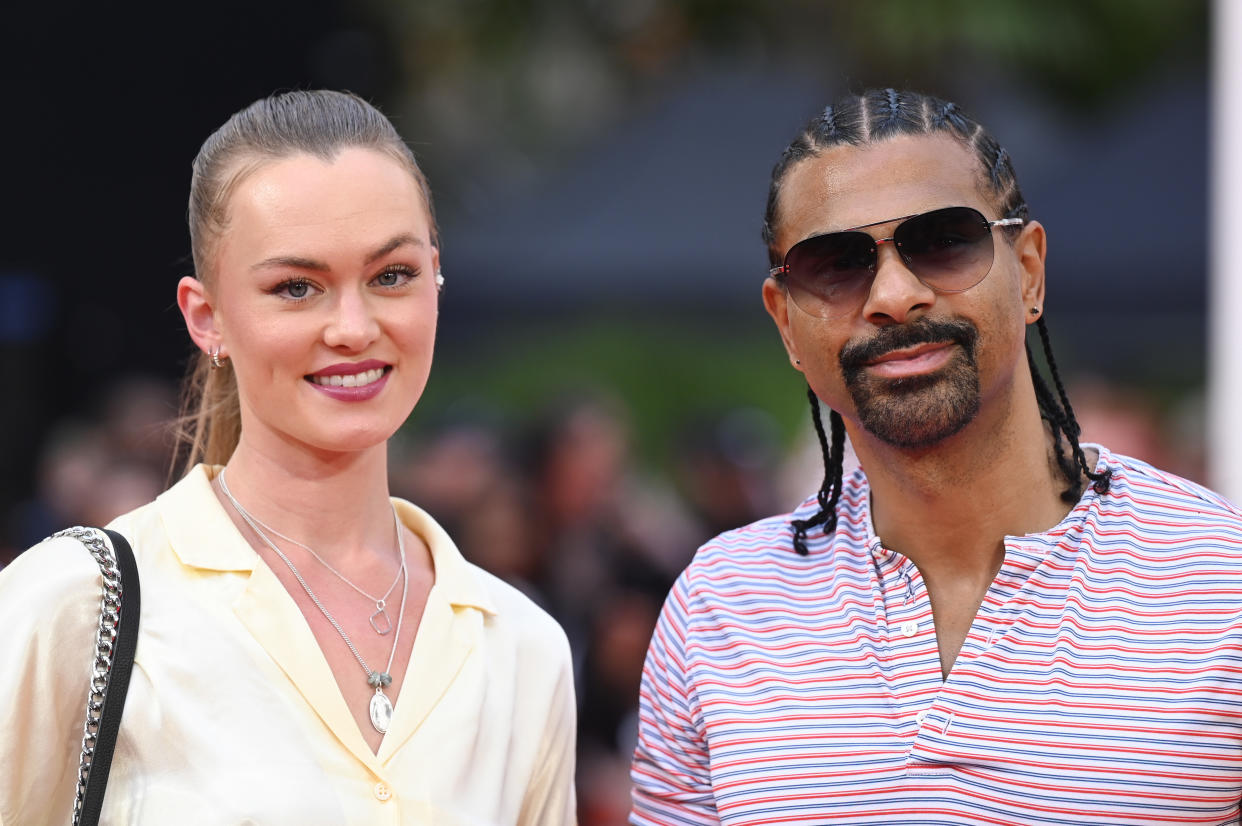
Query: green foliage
(500, 89)
(663, 371)
(1081, 52)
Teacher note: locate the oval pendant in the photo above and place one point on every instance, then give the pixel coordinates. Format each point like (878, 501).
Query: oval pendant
(381, 712)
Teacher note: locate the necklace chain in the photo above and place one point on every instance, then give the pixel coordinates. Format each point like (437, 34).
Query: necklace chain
(378, 600)
(377, 680)
(381, 603)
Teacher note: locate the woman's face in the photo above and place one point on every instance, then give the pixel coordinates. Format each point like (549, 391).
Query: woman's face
(324, 298)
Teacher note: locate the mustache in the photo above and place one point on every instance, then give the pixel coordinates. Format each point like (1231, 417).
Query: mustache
(856, 354)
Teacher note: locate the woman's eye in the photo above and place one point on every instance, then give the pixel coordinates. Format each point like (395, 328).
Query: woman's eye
(394, 277)
(296, 289)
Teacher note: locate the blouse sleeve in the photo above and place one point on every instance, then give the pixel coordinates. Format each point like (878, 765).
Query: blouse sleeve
(671, 773)
(49, 610)
(550, 797)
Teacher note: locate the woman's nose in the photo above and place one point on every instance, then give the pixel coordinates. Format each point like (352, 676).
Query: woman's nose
(353, 325)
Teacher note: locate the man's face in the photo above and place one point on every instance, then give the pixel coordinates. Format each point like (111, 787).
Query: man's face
(910, 366)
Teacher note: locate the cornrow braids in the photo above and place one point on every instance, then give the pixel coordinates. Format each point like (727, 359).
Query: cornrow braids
(880, 114)
(1050, 411)
(877, 115)
(829, 121)
(830, 491)
(1100, 482)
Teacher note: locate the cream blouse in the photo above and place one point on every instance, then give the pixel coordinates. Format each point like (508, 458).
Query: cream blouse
(233, 715)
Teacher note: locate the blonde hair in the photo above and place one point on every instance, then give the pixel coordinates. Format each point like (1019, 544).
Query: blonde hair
(318, 122)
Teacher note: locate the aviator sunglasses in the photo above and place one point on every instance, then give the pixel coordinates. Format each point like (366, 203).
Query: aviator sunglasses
(950, 250)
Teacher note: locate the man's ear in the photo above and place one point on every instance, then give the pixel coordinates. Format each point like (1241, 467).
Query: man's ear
(1031, 248)
(200, 315)
(776, 302)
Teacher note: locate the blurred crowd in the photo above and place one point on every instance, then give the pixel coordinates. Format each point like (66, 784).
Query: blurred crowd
(558, 505)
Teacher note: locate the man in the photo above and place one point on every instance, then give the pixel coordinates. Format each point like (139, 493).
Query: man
(987, 622)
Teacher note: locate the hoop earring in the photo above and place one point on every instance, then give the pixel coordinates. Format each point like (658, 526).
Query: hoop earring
(214, 355)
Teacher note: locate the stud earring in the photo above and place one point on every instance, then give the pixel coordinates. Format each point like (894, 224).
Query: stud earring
(1034, 311)
(439, 280)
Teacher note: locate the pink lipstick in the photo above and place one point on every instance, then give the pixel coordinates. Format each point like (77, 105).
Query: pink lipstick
(351, 381)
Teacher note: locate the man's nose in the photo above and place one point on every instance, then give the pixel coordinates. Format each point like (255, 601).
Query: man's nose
(896, 292)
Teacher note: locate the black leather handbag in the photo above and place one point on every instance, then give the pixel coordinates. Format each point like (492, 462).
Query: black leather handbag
(119, 607)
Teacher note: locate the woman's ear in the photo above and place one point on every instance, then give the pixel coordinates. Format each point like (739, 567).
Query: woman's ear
(199, 314)
(435, 268)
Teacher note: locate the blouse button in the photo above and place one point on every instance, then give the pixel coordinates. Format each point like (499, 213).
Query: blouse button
(920, 717)
(382, 792)
(909, 628)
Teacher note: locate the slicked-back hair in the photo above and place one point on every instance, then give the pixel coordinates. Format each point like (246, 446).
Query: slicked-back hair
(873, 117)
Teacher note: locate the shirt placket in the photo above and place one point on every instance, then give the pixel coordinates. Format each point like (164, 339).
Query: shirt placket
(912, 658)
(996, 614)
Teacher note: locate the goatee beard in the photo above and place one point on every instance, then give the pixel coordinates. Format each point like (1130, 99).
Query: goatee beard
(918, 411)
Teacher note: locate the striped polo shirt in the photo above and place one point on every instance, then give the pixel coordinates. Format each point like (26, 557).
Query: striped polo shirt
(1101, 681)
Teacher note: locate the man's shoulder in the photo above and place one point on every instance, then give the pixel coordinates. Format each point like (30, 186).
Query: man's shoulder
(772, 534)
(1159, 517)
(1146, 489)
(768, 542)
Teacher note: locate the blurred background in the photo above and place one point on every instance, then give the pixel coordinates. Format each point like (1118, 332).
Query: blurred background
(608, 391)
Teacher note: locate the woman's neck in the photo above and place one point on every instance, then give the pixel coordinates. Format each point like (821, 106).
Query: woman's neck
(336, 503)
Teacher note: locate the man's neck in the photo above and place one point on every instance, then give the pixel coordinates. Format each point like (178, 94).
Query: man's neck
(949, 507)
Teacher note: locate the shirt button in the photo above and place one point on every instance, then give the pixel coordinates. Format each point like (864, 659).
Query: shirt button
(382, 792)
(920, 717)
(909, 628)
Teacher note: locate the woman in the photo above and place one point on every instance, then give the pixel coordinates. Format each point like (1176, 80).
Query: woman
(311, 650)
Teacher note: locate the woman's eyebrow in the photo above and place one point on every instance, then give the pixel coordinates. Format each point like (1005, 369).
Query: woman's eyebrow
(392, 244)
(301, 263)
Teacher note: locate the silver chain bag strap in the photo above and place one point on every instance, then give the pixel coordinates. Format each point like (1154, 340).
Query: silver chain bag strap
(115, 642)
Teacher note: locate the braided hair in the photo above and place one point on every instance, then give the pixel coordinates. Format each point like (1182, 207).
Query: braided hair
(874, 116)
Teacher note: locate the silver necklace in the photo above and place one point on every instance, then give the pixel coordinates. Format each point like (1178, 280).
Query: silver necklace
(381, 706)
(381, 603)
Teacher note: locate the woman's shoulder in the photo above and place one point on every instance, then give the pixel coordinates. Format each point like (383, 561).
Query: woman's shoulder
(515, 606)
(61, 571)
(58, 564)
(507, 611)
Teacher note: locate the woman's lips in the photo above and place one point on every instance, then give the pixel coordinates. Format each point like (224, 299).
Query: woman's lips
(348, 379)
(912, 361)
(351, 382)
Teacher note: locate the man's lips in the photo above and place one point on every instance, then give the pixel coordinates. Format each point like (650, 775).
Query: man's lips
(911, 361)
(902, 353)
(921, 346)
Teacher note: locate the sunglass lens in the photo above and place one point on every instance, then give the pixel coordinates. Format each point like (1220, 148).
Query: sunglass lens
(948, 249)
(830, 271)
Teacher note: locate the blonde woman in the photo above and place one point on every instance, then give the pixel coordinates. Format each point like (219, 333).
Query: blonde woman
(312, 651)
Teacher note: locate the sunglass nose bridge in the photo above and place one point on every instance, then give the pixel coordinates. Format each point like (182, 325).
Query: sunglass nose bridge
(879, 243)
